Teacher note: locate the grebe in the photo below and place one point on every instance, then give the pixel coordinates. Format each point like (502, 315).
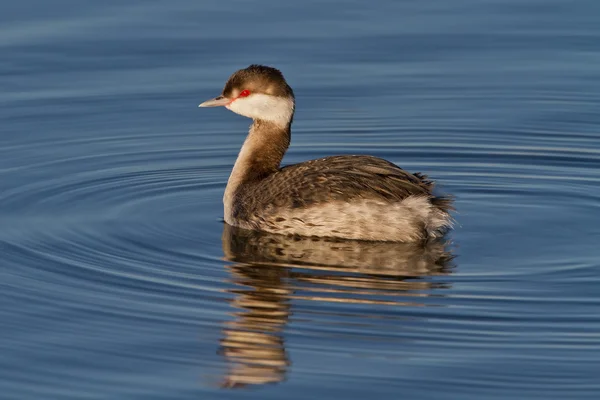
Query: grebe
(348, 196)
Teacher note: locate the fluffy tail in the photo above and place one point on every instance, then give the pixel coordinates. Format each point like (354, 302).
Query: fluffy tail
(440, 220)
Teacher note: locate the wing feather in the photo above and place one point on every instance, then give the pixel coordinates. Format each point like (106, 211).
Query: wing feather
(337, 178)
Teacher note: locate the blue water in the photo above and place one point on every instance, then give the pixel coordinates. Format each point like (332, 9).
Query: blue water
(118, 280)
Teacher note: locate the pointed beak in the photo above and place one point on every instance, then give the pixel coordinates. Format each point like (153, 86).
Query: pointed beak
(216, 102)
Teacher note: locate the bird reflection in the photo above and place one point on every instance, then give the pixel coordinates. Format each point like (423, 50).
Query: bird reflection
(269, 271)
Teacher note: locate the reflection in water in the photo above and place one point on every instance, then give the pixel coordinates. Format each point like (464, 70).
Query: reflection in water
(271, 270)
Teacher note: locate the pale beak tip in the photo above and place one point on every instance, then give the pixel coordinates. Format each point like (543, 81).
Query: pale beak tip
(216, 102)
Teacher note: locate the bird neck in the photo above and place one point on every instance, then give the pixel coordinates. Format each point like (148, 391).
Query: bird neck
(259, 157)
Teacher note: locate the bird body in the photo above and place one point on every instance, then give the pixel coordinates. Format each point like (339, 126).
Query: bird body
(347, 196)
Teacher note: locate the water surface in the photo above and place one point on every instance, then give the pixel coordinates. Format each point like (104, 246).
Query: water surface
(119, 280)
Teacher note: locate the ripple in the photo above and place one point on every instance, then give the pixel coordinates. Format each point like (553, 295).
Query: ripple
(112, 245)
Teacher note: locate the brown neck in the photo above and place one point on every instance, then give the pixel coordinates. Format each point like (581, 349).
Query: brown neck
(259, 157)
(263, 149)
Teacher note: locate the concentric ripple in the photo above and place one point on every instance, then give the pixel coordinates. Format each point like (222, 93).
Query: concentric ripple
(119, 279)
(134, 238)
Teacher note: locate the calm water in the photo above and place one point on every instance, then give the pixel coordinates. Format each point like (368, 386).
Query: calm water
(119, 281)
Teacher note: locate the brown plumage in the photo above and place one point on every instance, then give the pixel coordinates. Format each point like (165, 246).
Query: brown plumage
(347, 196)
(342, 178)
(258, 78)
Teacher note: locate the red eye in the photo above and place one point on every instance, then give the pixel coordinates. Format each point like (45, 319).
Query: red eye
(244, 93)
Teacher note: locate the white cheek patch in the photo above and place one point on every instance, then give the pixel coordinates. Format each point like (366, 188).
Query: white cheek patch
(263, 106)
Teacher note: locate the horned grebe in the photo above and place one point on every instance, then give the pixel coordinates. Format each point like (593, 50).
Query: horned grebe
(349, 196)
